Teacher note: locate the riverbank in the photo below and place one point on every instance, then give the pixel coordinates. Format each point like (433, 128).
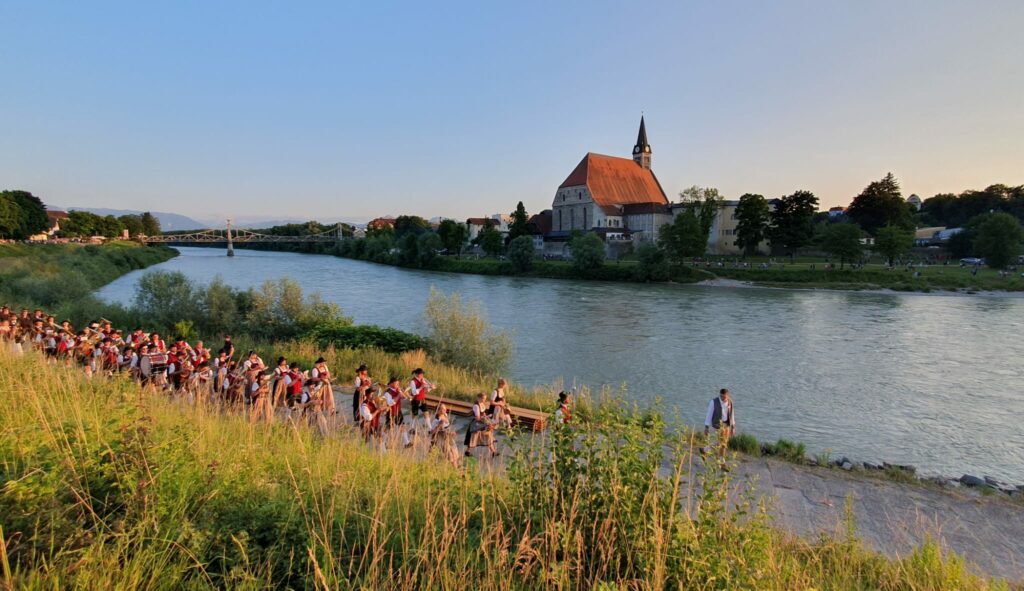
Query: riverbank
(61, 277)
(963, 292)
(101, 487)
(803, 273)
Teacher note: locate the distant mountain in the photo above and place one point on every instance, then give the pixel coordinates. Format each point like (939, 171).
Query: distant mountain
(257, 223)
(169, 222)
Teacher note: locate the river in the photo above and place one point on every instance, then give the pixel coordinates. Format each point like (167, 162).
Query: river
(933, 381)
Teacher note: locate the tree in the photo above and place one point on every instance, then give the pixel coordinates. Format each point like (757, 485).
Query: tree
(490, 240)
(10, 214)
(427, 246)
(893, 241)
(150, 225)
(881, 204)
(520, 223)
(521, 253)
(408, 249)
(587, 252)
(410, 224)
(460, 335)
(753, 215)
(793, 221)
(80, 224)
(844, 242)
(453, 236)
(132, 223)
(652, 264)
(997, 237)
(25, 213)
(706, 202)
(109, 227)
(684, 237)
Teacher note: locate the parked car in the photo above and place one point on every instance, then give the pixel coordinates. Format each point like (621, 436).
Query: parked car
(972, 261)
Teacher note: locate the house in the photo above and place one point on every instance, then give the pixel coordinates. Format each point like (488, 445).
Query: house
(915, 202)
(927, 236)
(53, 218)
(381, 223)
(836, 212)
(476, 225)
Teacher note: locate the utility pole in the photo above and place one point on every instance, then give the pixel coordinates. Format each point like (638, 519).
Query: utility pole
(231, 246)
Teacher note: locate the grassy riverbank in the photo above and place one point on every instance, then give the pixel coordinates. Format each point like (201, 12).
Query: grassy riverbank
(803, 273)
(103, 488)
(60, 278)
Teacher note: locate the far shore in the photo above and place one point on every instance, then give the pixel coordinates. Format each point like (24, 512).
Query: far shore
(736, 283)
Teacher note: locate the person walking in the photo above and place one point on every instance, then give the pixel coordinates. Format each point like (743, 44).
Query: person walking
(721, 417)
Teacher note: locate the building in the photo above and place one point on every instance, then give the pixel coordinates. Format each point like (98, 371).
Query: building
(836, 212)
(914, 202)
(53, 218)
(476, 225)
(618, 198)
(381, 223)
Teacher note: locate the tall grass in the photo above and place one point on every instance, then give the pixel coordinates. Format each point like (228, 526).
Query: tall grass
(103, 487)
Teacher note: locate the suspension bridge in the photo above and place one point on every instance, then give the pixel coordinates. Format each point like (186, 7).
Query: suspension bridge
(231, 236)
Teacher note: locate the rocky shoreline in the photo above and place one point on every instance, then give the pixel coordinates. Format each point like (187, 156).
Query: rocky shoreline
(909, 472)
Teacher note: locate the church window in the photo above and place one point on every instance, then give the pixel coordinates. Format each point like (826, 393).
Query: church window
(560, 220)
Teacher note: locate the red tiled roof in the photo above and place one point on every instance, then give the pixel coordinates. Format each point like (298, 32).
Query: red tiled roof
(615, 181)
(55, 214)
(541, 222)
(481, 222)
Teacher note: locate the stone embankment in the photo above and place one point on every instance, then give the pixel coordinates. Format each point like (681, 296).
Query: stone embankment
(893, 517)
(906, 472)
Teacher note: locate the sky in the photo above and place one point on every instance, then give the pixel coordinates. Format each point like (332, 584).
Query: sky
(316, 110)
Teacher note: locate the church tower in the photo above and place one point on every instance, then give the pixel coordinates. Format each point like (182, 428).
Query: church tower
(642, 150)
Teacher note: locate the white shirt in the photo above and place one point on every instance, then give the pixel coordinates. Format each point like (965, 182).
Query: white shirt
(726, 409)
(364, 411)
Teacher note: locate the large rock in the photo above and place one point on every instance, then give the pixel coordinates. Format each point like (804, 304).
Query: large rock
(871, 466)
(847, 465)
(903, 467)
(973, 481)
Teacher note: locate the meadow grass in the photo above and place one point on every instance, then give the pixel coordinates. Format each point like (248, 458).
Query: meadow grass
(104, 487)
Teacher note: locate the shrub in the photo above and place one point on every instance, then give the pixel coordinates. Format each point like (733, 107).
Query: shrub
(460, 335)
(521, 253)
(652, 263)
(587, 252)
(361, 336)
(745, 443)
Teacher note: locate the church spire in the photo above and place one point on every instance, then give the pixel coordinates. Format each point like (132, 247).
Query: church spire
(642, 149)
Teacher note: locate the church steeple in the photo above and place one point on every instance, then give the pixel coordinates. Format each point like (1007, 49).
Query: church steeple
(642, 150)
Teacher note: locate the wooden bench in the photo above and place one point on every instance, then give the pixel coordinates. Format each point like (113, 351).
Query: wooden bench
(534, 420)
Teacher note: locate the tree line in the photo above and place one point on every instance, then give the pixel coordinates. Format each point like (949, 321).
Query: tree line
(83, 224)
(22, 214)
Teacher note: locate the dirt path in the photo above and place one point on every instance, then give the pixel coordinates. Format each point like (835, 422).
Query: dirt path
(892, 517)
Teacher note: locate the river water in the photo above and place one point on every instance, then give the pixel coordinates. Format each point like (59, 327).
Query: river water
(933, 381)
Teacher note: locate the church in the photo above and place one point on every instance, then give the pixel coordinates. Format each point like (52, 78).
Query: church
(617, 198)
(621, 200)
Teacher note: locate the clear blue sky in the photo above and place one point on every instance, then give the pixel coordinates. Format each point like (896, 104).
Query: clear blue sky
(458, 109)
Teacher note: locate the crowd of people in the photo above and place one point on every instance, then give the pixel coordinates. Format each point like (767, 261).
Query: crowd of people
(226, 380)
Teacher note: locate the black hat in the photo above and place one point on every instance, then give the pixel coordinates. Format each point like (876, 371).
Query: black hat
(417, 371)
(562, 396)
(320, 360)
(362, 368)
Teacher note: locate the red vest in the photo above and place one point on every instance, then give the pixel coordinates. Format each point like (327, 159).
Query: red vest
(296, 387)
(421, 387)
(566, 415)
(396, 395)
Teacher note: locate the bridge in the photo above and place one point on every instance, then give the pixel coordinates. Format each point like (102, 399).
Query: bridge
(230, 236)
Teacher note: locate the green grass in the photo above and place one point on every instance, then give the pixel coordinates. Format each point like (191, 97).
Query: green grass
(103, 488)
(60, 278)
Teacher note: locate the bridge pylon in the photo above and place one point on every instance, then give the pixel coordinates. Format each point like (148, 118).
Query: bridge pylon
(231, 246)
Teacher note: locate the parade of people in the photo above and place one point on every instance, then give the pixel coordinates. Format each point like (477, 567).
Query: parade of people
(197, 375)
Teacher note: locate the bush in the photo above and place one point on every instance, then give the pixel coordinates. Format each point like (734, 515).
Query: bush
(587, 252)
(652, 263)
(361, 336)
(785, 449)
(521, 253)
(745, 443)
(460, 335)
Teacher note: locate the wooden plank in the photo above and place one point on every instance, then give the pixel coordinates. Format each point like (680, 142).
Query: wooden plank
(534, 420)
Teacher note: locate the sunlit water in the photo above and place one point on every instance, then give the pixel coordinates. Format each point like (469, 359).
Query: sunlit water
(934, 381)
